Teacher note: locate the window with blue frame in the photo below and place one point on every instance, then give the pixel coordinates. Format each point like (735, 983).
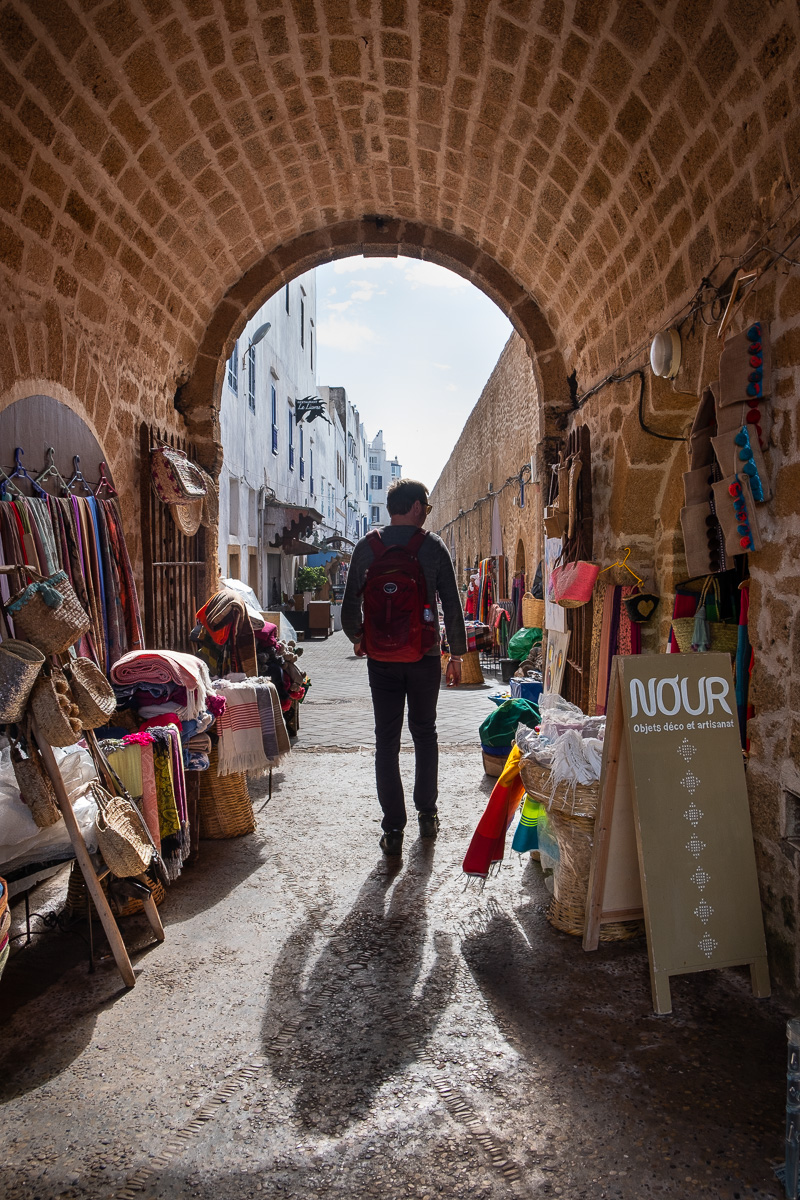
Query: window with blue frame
(274, 421)
(251, 378)
(311, 472)
(233, 370)
(291, 440)
(302, 458)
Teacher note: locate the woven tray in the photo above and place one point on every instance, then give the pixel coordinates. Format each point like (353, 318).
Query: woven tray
(224, 804)
(582, 801)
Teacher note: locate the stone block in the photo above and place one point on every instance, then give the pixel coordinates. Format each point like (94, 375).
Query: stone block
(632, 120)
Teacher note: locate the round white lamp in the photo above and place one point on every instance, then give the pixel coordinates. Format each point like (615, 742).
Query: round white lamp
(665, 354)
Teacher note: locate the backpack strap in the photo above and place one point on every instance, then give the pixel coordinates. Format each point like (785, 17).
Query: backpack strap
(376, 544)
(416, 541)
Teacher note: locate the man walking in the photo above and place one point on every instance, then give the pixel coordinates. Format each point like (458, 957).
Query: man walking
(390, 614)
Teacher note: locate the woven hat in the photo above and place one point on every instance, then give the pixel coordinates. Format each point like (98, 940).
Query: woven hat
(745, 367)
(188, 516)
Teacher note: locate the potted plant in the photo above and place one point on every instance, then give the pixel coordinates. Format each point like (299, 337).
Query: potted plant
(309, 579)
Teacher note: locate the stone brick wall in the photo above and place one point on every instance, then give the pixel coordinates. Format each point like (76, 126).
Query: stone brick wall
(165, 167)
(502, 434)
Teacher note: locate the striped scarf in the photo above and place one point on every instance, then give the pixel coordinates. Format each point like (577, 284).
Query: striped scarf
(241, 743)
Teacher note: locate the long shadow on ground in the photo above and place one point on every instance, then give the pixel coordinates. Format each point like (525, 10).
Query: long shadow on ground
(345, 1050)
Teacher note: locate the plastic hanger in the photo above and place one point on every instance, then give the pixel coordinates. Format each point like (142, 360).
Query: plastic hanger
(624, 563)
(78, 476)
(105, 482)
(6, 486)
(51, 470)
(19, 472)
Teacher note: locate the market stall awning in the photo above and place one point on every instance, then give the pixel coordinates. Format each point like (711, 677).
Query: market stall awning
(287, 525)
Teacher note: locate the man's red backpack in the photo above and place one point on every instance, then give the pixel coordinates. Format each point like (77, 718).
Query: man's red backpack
(399, 625)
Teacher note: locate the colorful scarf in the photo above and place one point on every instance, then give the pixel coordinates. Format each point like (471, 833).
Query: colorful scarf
(526, 836)
(166, 666)
(489, 839)
(241, 745)
(273, 727)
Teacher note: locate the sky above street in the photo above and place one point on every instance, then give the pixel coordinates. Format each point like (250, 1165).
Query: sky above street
(413, 345)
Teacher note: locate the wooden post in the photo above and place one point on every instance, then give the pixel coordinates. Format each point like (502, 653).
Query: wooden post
(84, 861)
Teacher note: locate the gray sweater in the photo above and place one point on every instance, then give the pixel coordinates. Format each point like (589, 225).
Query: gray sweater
(440, 577)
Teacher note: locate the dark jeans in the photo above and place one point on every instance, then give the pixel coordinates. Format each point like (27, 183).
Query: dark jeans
(392, 684)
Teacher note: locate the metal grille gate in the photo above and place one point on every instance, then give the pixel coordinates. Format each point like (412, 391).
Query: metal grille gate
(174, 565)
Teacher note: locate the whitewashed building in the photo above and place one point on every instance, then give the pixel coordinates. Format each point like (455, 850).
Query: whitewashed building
(269, 491)
(382, 471)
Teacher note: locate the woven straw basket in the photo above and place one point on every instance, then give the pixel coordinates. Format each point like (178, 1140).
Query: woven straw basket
(92, 693)
(35, 788)
(75, 904)
(56, 715)
(48, 613)
(724, 638)
(471, 673)
(224, 804)
(121, 834)
(571, 817)
(532, 612)
(20, 663)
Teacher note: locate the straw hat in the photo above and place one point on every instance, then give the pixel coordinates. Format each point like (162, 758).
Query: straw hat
(188, 516)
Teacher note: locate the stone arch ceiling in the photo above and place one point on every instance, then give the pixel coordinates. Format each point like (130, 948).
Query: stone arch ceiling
(156, 153)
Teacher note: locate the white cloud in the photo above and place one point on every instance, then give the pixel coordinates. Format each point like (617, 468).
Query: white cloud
(427, 274)
(451, 387)
(345, 335)
(442, 366)
(364, 289)
(341, 307)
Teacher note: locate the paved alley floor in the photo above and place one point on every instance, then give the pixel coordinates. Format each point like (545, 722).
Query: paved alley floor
(319, 1025)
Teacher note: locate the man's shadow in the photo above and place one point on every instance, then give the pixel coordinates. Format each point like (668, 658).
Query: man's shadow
(370, 968)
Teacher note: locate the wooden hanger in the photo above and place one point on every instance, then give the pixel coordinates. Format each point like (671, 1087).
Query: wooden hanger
(624, 563)
(743, 284)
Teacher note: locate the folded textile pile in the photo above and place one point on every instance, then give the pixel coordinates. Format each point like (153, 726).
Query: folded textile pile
(164, 667)
(150, 765)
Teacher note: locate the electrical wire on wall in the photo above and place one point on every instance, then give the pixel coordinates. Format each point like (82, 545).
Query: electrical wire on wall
(519, 480)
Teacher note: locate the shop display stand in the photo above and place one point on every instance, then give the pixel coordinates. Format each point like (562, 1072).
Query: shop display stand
(93, 885)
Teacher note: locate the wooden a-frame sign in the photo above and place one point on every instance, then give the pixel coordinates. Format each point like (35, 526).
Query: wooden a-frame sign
(673, 840)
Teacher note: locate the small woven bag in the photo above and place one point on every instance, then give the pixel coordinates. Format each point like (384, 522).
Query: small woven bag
(34, 785)
(532, 612)
(121, 835)
(176, 480)
(47, 612)
(20, 663)
(92, 692)
(56, 715)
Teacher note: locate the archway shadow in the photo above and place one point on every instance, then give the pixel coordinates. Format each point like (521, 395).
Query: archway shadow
(372, 968)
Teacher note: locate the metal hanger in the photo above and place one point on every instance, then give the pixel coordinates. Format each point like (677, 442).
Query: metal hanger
(78, 476)
(19, 472)
(51, 470)
(624, 563)
(105, 482)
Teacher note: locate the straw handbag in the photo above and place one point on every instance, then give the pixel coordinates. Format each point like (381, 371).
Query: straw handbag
(34, 785)
(573, 583)
(20, 663)
(724, 636)
(532, 612)
(92, 692)
(51, 704)
(47, 612)
(121, 833)
(176, 480)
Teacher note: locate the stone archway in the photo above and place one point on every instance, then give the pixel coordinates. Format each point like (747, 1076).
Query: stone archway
(199, 396)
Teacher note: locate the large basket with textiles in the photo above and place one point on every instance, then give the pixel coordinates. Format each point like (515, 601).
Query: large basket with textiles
(567, 909)
(224, 804)
(579, 801)
(75, 904)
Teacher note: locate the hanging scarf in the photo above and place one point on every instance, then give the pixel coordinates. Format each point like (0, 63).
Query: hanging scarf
(488, 841)
(128, 597)
(526, 836)
(241, 746)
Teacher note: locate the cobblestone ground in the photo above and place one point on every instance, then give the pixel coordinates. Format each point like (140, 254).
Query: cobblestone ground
(316, 1025)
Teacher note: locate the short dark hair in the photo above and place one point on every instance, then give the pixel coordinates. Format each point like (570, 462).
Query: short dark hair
(403, 494)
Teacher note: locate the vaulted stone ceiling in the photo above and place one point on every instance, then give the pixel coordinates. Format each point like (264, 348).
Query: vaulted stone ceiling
(596, 158)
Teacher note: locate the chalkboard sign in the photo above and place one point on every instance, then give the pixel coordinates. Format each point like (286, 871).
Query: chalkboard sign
(672, 766)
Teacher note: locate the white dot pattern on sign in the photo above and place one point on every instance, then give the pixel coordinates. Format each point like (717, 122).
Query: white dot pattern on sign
(704, 911)
(701, 878)
(686, 750)
(695, 846)
(690, 782)
(693, 814)
(707, 944)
